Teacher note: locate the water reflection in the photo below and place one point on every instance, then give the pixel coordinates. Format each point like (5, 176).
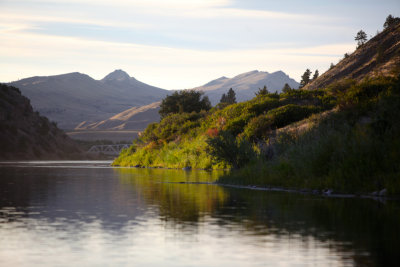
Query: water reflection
(173, 193)
(66, 214)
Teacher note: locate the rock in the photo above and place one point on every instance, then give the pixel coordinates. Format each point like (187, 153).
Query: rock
(383, 192)
(328, 192)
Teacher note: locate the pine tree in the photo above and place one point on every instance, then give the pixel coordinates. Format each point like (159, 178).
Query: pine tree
(223, 98)
(305, 78)
(286, 88)
(262, 91)
(316, 74)
(231, 97)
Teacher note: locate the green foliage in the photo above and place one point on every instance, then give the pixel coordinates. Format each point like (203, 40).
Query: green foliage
(286, 88)
(353, 150)
(236, 151)
(264, 91)
(172, 126)
(184, 101)
(260, 127)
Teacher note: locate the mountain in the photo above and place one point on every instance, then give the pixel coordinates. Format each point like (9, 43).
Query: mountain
(27, 135)
(69, 99)
(246, 84)
(135, 118)
(380, 56)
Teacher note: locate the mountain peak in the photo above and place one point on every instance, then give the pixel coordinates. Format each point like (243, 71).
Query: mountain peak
(118, 75)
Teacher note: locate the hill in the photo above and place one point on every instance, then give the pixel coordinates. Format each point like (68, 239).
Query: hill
(343, 136)
(380, 56)
(135, 118)
(246, 84)
(25, 134)
(70, 99)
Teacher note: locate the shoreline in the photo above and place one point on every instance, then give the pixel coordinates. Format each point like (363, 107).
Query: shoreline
(327, 193)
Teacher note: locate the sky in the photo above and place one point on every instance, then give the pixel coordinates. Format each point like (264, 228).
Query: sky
(179, 44)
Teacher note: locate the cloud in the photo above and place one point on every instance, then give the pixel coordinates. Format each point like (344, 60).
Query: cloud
(171, 68)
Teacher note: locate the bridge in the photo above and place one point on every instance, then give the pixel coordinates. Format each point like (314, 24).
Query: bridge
(108, 149)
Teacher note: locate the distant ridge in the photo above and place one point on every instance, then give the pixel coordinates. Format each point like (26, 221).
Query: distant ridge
(135, 118)
(246, 84)
(72, 98)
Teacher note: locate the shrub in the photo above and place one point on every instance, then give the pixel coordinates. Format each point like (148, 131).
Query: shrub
(236, 151)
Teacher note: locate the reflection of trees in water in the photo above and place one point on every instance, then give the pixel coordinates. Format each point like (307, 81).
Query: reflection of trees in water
(176, 199)
(346, 225)
(364, 232)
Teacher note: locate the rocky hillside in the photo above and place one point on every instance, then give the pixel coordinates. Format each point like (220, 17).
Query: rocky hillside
(70, 99)
(380, 56)
(246, 84)
(24, 134)
(135, 118)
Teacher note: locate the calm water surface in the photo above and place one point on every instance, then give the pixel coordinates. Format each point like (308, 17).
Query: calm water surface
(89, 214)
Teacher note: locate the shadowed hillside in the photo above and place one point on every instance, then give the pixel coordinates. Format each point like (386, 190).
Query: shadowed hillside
(25, 134)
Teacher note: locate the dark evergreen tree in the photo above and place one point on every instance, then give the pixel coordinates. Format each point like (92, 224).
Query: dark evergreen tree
(262, 91)
(231, 97)
(184, 101)
(316, 74)
(361, 38)
(305, 78)
(390, 21)
(223, 98)
(286, 88)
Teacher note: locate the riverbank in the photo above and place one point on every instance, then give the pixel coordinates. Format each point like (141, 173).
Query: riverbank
(379, 196)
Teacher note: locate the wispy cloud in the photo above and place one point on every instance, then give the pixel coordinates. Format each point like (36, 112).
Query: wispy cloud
(172, 43)
(162, 66)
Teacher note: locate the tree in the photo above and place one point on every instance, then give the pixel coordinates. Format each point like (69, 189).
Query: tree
(262, 91)
(316, 74)
(184, 101)
(390, 21)
(226, 147)
(223, 98)
(286, 88)
(361, 38)
(305, 78)
(231, 97)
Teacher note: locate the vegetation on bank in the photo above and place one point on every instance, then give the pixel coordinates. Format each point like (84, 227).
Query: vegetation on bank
(343, 136)
(194, 139)
(353, 149)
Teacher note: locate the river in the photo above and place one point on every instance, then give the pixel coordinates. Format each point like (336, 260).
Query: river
(85, 213)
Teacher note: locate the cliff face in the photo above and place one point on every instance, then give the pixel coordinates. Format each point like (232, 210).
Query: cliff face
(380, 56)
(24, 134)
